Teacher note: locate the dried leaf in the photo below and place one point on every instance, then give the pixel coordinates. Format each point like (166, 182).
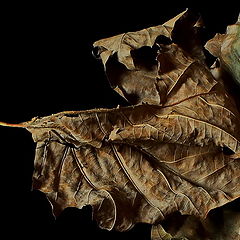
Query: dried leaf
(124, 43)
(153, 73)
(133, 158)
(227, 48)
(221, 224)
(158, 231)
(176, 151)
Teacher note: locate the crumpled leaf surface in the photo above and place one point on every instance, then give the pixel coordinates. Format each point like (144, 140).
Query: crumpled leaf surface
(176, 150)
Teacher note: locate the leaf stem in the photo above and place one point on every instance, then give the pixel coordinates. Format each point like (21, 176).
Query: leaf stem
(19, 125)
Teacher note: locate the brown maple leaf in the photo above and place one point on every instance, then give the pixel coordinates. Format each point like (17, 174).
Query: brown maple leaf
(143, 163)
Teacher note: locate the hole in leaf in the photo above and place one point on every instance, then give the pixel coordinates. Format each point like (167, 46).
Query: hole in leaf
(163, 40)
(145, 57)
(227, 151)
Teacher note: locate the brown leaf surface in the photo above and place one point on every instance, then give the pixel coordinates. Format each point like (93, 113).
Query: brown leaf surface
(175, 151)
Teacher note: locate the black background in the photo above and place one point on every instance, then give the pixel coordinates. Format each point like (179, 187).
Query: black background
(47, 67)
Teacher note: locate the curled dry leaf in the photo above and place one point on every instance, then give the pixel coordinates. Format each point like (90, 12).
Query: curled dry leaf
(226, 47)
(143, 163)
(133, 70)
(123, 44)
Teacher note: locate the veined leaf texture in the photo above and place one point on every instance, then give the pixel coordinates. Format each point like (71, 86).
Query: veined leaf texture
(164, 154)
